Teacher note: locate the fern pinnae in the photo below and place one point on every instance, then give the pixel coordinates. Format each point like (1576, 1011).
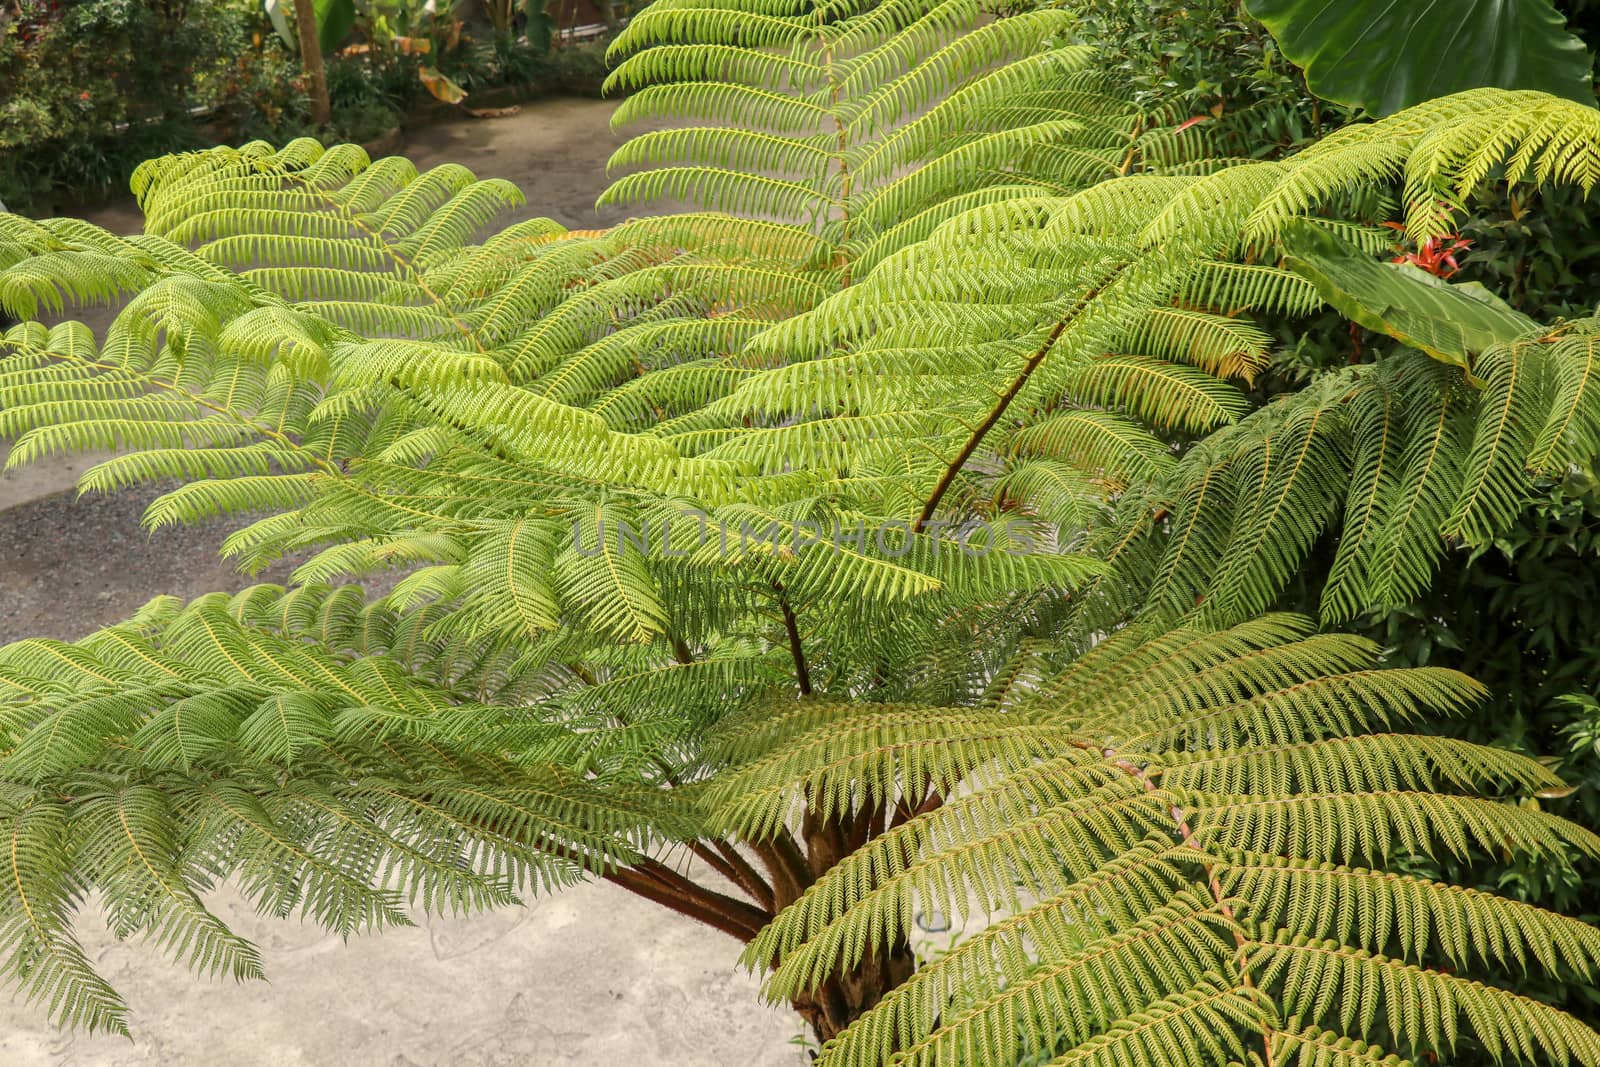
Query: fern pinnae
(1062, 827)
(1430, 468)
(1573, 424)
(1371, 826)
(1323, 706)
(1125, 972)
(1491, 472)
(1373, 469)
(1284, 519)
(1386, 761)
(978, 966)
(1174, 673)
(1407, 916)
(1426, 1003)
(1237, 287)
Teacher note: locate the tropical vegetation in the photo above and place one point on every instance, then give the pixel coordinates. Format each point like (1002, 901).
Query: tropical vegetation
(1383, 57)
(89, 90)
(970, 498)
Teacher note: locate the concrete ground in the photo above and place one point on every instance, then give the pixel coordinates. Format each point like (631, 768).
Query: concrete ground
(592, 975)
(588, 976)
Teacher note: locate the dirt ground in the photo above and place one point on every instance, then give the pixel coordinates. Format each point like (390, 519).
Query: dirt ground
(592, 975)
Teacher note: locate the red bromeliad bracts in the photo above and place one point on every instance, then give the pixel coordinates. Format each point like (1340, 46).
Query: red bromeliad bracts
(1437, 255)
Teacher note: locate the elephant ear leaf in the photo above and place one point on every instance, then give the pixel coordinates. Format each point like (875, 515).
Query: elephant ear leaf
(1450, 322)
(1384, 55)
(335, 18)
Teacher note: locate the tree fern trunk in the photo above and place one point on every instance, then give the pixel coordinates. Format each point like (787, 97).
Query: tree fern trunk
(848, 995)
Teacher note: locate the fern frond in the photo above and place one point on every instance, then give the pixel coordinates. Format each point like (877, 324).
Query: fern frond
(1117, 871)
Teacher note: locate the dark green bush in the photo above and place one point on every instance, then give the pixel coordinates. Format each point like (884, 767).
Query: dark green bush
(89, 90)
(1209, 58)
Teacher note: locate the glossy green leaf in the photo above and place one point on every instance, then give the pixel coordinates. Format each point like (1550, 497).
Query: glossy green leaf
(1450, 322)
(334, 21)
(1384, 55)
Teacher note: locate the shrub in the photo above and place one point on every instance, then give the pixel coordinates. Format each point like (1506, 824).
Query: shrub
(92, 89)
(95, 86)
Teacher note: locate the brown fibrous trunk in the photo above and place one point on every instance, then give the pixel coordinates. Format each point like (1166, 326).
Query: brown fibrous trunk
(845, 997)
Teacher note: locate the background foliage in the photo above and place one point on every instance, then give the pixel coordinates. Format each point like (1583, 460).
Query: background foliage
(85, 88)
(89, 90)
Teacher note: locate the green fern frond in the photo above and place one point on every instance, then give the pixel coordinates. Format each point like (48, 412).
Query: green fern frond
(181, 730)
(1118, 871)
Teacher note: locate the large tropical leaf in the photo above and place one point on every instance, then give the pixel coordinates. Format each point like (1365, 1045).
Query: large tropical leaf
(1451, 323)
(334, 20)
(1384, 55)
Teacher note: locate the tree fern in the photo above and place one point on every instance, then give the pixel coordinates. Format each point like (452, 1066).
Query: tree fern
(797, 531)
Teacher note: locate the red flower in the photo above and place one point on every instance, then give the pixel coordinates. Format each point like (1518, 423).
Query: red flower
(1437, 255)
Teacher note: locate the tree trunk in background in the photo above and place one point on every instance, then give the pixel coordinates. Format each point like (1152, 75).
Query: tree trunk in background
(305, 19)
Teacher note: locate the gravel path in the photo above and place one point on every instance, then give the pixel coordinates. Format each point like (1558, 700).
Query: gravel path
(72, 565)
